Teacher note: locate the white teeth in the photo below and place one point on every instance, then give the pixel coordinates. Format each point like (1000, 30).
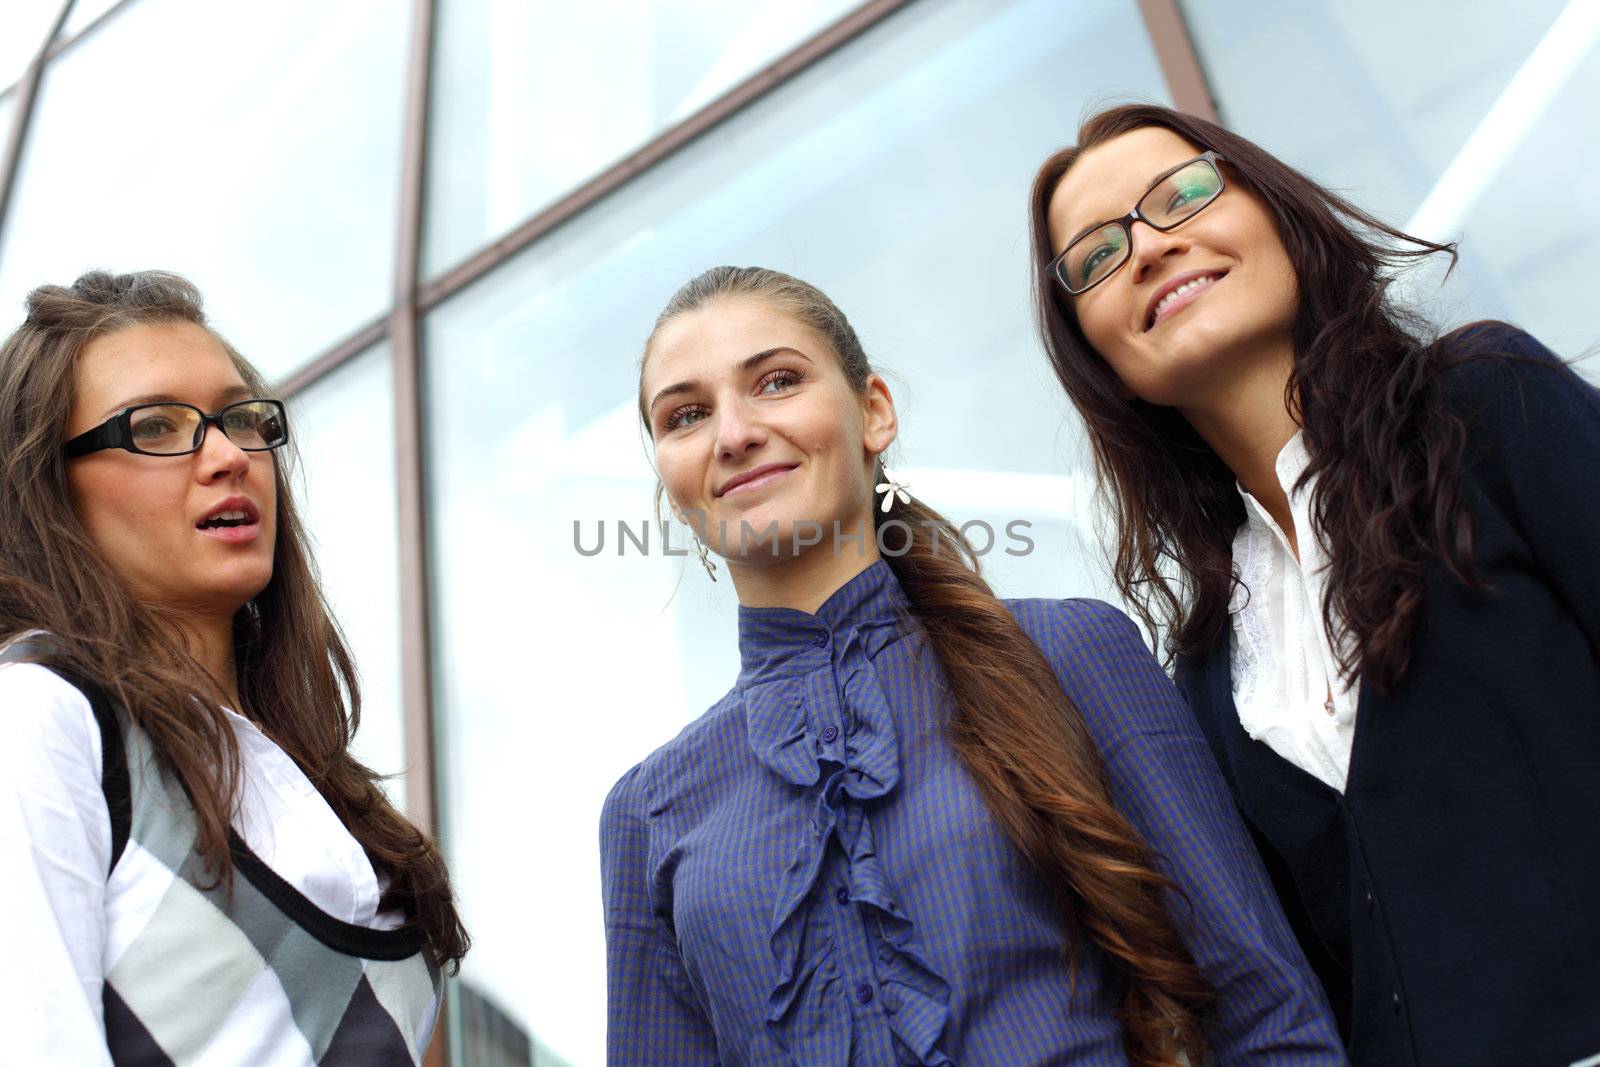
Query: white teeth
(230, 516)
(1194, 283)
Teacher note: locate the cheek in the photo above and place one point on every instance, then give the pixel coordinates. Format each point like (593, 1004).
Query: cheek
(128, 515)
(268, 469)
(1098, 321)
(677, 471)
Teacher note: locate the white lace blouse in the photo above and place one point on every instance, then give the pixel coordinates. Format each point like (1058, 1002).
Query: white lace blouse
(1286, 681)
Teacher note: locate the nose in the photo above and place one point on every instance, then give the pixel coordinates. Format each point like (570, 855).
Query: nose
(219, 458)
(1150, 246)
(738, 432)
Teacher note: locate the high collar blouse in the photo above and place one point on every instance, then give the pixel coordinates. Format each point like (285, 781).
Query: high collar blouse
(808, 875)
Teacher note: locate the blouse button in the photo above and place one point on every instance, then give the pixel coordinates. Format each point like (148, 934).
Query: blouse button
(864, 993)
(842, 895)
(829, 733)
(822, 640)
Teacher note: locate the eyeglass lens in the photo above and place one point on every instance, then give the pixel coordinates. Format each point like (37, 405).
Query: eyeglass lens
(1172, 200)
(173, 429)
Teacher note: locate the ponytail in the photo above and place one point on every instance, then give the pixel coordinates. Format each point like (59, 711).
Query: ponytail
(1036, 766)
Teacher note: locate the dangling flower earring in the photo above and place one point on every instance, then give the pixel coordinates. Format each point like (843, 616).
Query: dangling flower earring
(705, 555)
(891, 487)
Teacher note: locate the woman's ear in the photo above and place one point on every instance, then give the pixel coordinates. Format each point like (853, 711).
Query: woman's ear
(881, 424)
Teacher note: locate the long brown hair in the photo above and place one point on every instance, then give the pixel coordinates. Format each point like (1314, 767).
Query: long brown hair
(295, 675)
(1364, 387)
(1019, 735)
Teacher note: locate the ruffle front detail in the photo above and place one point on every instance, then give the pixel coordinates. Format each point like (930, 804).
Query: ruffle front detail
(820, 720)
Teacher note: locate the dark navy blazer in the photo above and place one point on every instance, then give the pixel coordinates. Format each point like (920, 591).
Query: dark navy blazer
(1450, 898)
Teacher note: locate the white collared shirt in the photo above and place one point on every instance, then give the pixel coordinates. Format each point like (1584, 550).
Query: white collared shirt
(1286, 681)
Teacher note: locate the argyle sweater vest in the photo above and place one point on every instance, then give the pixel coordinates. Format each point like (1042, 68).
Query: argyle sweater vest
(195, 972)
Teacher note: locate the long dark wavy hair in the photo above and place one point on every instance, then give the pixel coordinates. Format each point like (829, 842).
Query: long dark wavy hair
(1016, 731)
(1364, 387)
(295, 675)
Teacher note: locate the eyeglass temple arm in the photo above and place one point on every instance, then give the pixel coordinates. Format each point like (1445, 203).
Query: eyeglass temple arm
(110, 434)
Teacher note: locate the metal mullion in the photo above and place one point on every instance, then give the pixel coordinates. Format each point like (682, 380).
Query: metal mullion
(27, 95)
(1180, 63)
(416, 636)
(403, 333)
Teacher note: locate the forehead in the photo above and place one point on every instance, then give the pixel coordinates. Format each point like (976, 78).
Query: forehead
(707, 341)
(1108, 179)
(177, 359)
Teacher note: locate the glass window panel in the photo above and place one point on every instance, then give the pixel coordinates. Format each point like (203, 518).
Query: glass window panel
(342, 428)
(23, 26)
(1483, 141)
(254, 148)
(531, 99)
(894, 176)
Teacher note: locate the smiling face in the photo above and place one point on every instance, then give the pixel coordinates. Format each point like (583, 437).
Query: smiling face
(1193, 308)
(155, 518)
(755, 422)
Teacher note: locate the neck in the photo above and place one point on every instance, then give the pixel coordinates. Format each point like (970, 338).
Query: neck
(210, 642)
(1247, 423)
(805, 581)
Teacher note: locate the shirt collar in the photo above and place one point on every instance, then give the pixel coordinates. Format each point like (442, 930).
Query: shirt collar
(779, 642)
(1291, 463)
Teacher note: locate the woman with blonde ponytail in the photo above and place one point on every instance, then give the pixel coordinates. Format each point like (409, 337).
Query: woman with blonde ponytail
(926, 825)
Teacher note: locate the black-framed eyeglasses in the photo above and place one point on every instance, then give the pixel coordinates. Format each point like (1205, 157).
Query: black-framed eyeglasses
(1172, 199)
(172, 429)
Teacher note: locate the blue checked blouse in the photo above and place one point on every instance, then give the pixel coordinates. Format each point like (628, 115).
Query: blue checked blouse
(807, 875)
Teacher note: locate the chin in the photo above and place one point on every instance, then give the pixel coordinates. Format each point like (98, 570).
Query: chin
(238, 590)
(769, 537)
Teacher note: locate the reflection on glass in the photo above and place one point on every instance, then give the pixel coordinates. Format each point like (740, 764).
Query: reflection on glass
(253, 148)
(532, 99)
(23, 26)
(342, 428)
(1477, 142)
(895, 177)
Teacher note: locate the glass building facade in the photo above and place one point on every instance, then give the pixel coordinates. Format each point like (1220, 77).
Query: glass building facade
(445, 228)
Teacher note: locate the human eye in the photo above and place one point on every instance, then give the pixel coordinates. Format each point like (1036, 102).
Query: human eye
(153, 425)
(1192, 185)
(1092, 260)
(687, 415)
(245, 419)
(779, 381)
(1096, 255)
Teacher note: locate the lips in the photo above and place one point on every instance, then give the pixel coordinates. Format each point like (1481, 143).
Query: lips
(1177, 292)
(755, 474)
(235, 519)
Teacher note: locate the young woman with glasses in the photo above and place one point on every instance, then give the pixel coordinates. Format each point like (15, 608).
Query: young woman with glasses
(925, 826)
(1375, 556)
(197, 869)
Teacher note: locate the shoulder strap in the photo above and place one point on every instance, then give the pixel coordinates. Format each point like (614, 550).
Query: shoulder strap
(114, 781)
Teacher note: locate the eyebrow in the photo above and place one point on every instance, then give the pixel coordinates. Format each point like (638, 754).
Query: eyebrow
(227, 396)
(744, 365)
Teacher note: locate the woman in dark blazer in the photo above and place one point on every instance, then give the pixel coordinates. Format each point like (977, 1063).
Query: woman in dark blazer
(1376, 560)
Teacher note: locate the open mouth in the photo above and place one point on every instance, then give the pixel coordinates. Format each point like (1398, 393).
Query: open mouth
(225, 521)
(232, 514)
(1179, 295)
